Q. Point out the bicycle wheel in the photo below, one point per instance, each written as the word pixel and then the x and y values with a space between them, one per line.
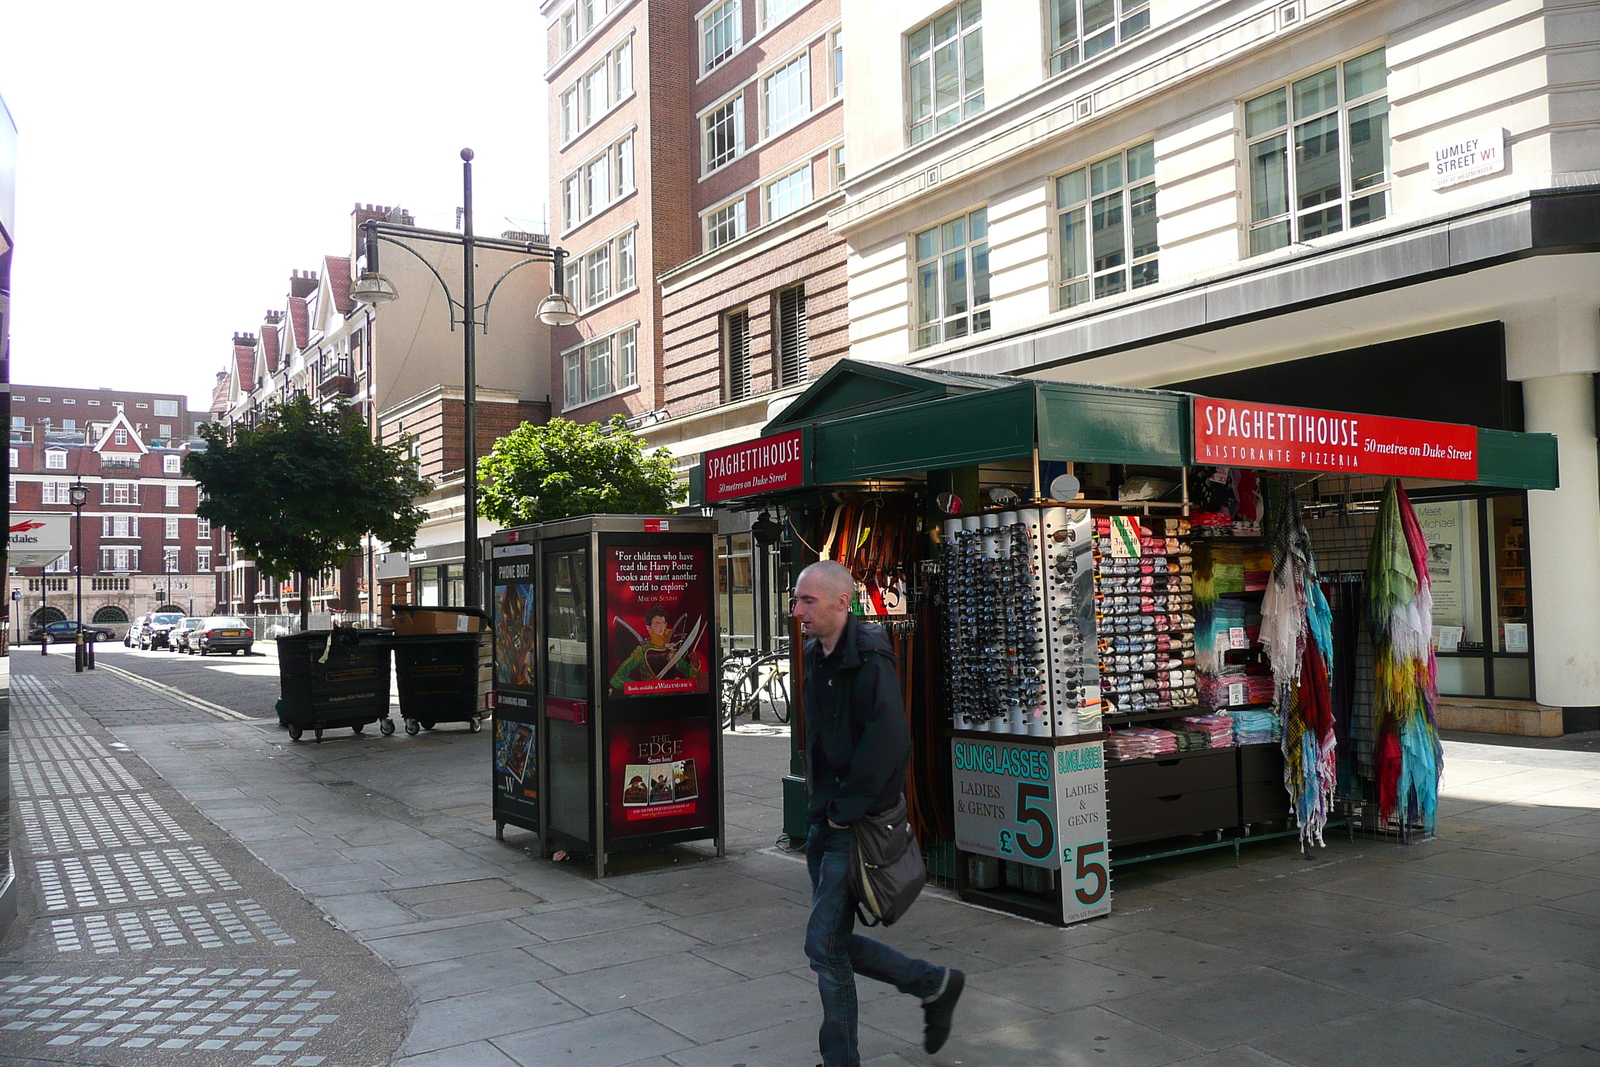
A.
pixel 777 693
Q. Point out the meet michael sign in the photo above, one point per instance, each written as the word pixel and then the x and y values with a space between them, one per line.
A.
pixel 1231 433
pixel 764 465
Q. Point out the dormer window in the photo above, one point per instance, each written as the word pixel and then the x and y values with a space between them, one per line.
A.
pixel 120 437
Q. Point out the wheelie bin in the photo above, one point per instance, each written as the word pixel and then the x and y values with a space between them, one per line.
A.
pixel 334 678
pixel 441 678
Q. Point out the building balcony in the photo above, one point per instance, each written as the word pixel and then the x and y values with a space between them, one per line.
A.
pixel 333 385
pixel 22 435
pixel 119 463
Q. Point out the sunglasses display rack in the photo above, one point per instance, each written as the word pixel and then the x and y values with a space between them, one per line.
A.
pixel 1016 638
pixel 1144 598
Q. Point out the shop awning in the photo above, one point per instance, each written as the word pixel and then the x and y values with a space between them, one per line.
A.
pixel 862 421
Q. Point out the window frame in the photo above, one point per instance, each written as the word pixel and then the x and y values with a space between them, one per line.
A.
pixel 733 376
pixel 740 219
pixel 769 193
pixel 974 310
pixel 970 102
pixel 1123 13
pixel 171 464
pixel 793 117
pixel 55 459
pixel 708 162
pixel 1292 217
pixel 703 31
pixel 1134 268
pixel 621 360
pixel 173 531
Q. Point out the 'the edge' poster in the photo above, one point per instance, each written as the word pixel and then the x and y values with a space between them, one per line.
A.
pixel 659 776
pixel 658 619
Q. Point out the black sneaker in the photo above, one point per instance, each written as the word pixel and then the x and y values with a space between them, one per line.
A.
pixel 937 1013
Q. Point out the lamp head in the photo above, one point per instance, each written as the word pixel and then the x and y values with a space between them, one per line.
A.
pixel 557 309
pixel 373 288
pixel 79 495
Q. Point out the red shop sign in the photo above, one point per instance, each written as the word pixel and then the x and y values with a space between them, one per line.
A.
pixel 1231 433
pixel 760 466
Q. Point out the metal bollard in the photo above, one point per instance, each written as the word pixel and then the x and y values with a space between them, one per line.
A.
pixel 77 654
pixel 44 645
pixel 88 655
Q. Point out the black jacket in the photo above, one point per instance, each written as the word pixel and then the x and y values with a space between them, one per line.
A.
pixel 857 742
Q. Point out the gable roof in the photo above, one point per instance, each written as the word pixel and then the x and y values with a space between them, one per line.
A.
pixel 108 436
pixel 336 276
pixel 244 365
pixel 300 319
pixel 270 337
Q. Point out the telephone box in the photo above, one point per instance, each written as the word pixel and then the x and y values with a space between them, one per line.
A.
pixel 606 734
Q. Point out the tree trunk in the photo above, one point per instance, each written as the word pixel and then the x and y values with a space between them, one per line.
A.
pixel 305 600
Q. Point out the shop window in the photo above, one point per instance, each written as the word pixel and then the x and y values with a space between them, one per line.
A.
pixel 1083 29
pixel 794 346
pixel 722 134
pixel 721 33
pixel 953 279
pixel 1337 176
pixel 1106 227
pixel 736 349
pixel 737 591
pixel 1478 567
pixel 945 61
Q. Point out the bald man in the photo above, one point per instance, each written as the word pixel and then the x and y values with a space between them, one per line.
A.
pixel 857 750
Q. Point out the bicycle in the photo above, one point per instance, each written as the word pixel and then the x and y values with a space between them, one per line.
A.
pixel 763 683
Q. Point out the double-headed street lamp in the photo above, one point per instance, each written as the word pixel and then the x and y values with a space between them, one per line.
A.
pixel 79 496
pixel 557 309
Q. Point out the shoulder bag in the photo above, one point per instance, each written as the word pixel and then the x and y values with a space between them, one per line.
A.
pixel 886 868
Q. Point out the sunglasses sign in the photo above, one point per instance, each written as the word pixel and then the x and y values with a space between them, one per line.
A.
pixel 764 465
pixel 1230 433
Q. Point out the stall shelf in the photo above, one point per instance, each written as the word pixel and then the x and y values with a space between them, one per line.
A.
pixel 983 451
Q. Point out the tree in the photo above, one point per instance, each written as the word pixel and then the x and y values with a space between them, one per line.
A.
pixel 565 468
pixel 300 490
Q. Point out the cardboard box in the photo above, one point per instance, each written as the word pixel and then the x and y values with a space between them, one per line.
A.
pixel 413 620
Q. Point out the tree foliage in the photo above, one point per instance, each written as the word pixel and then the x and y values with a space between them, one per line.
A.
pixel 565 468
pixel 299 491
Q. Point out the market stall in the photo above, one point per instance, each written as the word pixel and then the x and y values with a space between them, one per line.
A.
pixel 1114 634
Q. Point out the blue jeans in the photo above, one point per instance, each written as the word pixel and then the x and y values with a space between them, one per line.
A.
pixel 838 954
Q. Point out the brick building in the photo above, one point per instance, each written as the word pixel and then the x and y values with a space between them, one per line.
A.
pixel 143 545
pixel 695 153
pixel 400 366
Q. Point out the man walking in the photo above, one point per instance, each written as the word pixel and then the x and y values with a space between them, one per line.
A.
pixel 857 752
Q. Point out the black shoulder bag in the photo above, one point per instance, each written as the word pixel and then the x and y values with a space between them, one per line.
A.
pixel 886 869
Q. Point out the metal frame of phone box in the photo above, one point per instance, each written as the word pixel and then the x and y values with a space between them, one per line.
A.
pixel 577 808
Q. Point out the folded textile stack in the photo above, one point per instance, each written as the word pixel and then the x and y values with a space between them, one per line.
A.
pixel 1254 727
pixel 1231 624
pixel 1217 729
pixel 1234 690
pixel 1139 742
pixel 1257 567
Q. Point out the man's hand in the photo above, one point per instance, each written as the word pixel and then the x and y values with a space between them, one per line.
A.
pixel 837 826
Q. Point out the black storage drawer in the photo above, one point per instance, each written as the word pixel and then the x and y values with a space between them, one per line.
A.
pixel 1213 769
pixel 1137 817
pixel 1263 801
pixel 1260 763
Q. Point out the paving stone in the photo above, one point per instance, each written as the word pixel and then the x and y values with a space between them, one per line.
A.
pixel 609 1040
pixel 1413 1032
pixel 488 1014
pixel 1239 1007
pixel 631 984
pixel 1555 1000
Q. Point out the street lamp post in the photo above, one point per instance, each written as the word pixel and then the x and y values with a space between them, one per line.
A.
pixel 79 496
pixel 557 309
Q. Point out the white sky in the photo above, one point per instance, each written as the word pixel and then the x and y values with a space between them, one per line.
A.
pixel 178 160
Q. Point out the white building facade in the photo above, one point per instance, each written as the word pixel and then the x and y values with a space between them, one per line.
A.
pixel 1368 205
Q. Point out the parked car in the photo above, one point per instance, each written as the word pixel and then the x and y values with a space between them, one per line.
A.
pixel 222 633
pixel 135 632
pixel 66 630
pixel 181 633
pixel 157 633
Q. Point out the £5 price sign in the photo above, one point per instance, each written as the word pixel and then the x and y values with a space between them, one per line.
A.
pixel 1040 805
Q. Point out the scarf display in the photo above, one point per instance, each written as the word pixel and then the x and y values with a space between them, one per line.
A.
pixel 1297 633
pixel 1408 758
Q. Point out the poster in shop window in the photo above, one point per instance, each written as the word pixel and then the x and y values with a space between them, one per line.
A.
pixel 657 620
pixel 660 776
pixel 1441 525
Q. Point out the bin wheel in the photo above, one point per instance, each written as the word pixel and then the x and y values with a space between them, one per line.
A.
pixel 475 725
pixel 357 728
pixel 295 733
pixel 319 736
pixel 386 727
pixel 427 726
pixel 412 727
